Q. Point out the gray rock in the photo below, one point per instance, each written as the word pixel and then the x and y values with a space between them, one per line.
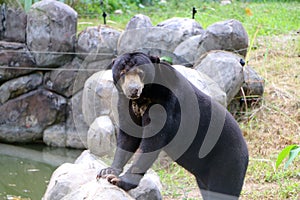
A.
pixel 149 38
pixel 225 69
pixel 254 84
pixel 97 96
pixel 229 35
pixel 51 27
pixel 176 60
pixel 77 181
pixel 98 43
pixel 13 24
pixel 28 115
pixel 149 188
pixel 189 27
pixel 19 86
pixel 139 21
pixel 87 158
pixel 250 96
pixel 2 19
pixel 65 179
pixel 62 79
pixel 101 138
pixel 76 128
pixel 204 83
pixel 14 56
pixel 188 48
pixel 55 135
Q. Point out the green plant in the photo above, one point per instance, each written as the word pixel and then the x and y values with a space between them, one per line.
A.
pixel 291 151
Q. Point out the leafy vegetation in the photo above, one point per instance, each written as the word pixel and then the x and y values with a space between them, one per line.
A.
pixel 291 152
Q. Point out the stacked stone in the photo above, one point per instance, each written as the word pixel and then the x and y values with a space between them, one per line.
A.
pixel 43 68
pixel 45 64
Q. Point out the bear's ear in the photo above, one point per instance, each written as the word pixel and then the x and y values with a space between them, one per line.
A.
pixel 154 59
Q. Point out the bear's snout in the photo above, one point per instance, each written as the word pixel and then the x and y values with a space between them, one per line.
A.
pixel 132 86
pixel 134 91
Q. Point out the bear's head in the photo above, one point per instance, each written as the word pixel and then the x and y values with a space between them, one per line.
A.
pixel 131 71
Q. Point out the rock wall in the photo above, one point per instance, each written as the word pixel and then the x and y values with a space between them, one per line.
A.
pixel 44 65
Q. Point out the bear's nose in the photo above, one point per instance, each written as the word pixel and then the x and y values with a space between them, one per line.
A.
pixel 134 91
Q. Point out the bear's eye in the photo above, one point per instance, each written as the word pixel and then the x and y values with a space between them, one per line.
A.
pixel 141 74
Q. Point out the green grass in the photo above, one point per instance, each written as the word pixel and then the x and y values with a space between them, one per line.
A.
pixel 270 18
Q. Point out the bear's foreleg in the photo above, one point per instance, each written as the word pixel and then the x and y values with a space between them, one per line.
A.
pixel 126 146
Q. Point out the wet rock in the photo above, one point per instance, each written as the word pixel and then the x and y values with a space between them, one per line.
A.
pixel 51 32
pixel 188 49
pixel 28 115
pixel 225 69
pixel 101 139
pixel 76 128
pixel 77 181
pixel 229 35
pixel 15 60
pixel 98 43
pixel 189 27
pixel 12 24
pixel 139 21
pixel 19 86
pixel 149 38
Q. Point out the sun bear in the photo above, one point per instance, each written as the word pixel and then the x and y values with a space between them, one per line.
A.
pixel 159 109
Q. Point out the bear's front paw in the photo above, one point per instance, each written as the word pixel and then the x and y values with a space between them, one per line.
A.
pixel 127 181
pixel 108 171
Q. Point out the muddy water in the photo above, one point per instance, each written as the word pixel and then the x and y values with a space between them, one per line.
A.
pixel 26 170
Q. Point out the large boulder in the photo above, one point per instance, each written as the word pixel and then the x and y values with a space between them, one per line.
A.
pixel 28 115
pixel 19 86
pixel 139 21
pixel 204 83
pixel 55 135
pixel 15 60
pixel 171 57
pixel 150 38
pixel 254 84
pixel 51 27
pixel 229 35
pixel 250 95
pixel 62 80
pixel 76 128
pixel 189 27
pixel 101 138
pixel 188 49
pixel 224 68
pixel 78 181
pixel 97 43
pixel 98 92
pixel 13 24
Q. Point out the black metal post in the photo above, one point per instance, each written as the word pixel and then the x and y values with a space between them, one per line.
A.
pixel 104 15
pixel 194 12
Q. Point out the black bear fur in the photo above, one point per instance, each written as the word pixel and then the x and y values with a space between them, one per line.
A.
pixel 219 173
